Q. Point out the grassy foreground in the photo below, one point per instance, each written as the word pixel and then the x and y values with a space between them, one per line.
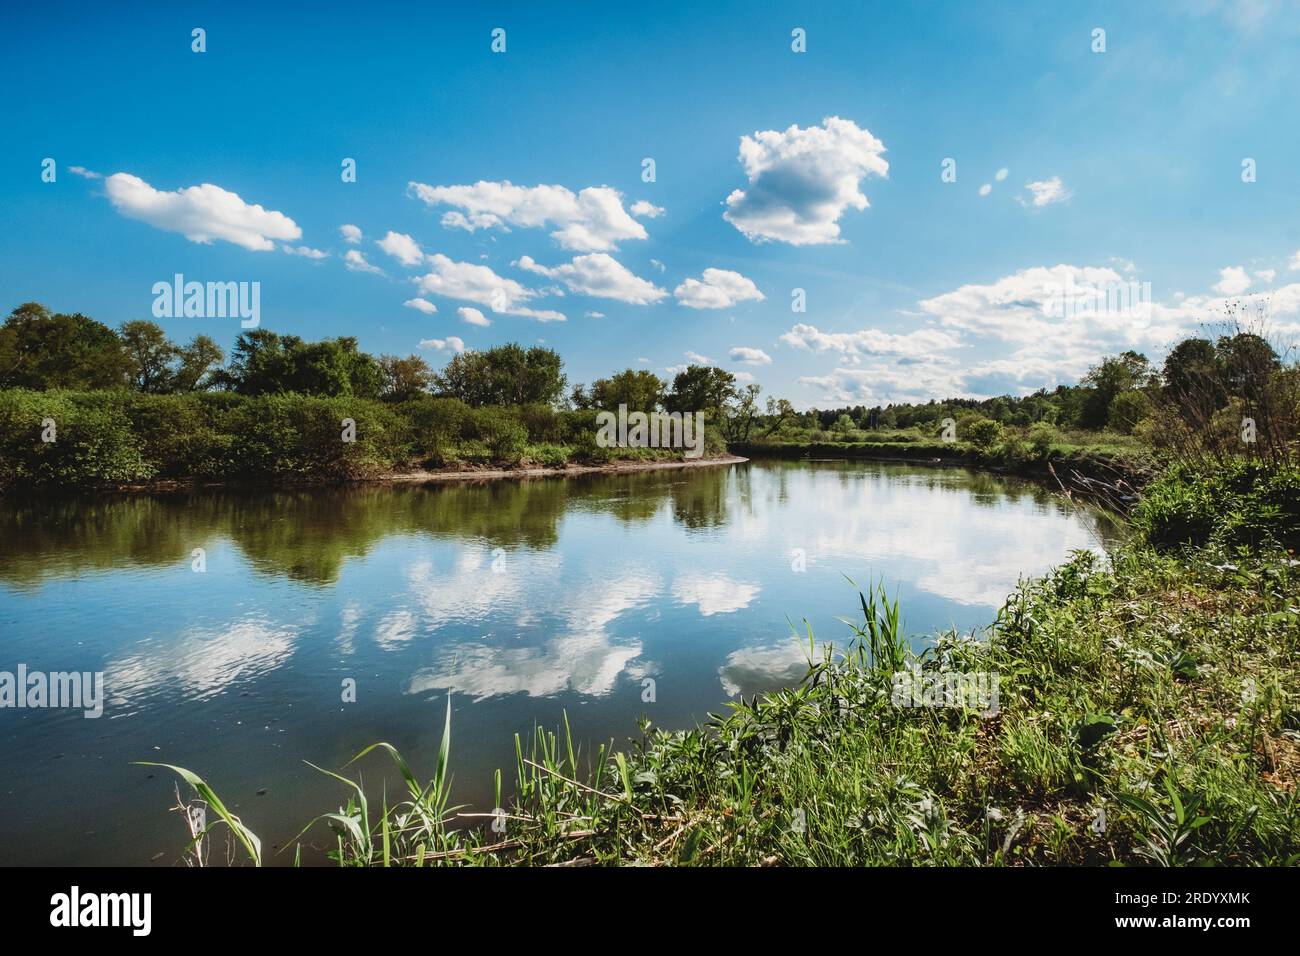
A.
pixel 1149 712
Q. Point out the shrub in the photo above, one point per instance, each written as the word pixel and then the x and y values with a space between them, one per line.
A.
pixel 93 440
pixel 436 426
pixel 1240 502
pixel 1041 438
pixel 501 431
pixel 983 433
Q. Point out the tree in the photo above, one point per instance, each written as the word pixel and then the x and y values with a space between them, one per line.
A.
pixel 199 362
pixel 1246 362
pixel 403 378
pixel 701 388
pixel 41 350
pixel 740 412
pixel 779 410
pixel 505 375
pixel 150 355
pixel 264 363
pixel 638 389
pixel 1121 373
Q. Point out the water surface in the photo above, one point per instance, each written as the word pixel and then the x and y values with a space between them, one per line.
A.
pixel 523 600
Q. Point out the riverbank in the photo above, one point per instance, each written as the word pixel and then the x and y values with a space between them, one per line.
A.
pixel 1088 471
pixel 1142 708
pixel 111 440
pixel 1140 713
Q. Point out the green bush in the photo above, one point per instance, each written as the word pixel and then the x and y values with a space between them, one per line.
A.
pixel 983 433
pixel 93 445
pixel 1240 502
pixel 437 425
pixel 501 431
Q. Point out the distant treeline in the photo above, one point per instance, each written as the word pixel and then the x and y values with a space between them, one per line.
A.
pixel 1199 376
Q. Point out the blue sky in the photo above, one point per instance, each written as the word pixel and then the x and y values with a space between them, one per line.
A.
pixel 929 288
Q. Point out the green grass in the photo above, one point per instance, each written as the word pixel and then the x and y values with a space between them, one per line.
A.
pixel 1149 711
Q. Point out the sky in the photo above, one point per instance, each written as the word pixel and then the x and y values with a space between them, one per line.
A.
pixel 850 202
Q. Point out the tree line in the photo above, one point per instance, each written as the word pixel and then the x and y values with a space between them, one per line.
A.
pixel 43 350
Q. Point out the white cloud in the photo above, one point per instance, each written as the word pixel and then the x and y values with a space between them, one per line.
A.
pixel 200 213
pixel 423 305
pixel 85 173
pixel 1002 174
pixel 599 274
pixel 594 315
pixel 870 341
pixel 350 234
pixel 743 376
pixel 472 316
pixel 714 593
pixel 1047 191
pixel 646 209
pixel 306 252
pixel 1266 275
pixel 717 289
pixel 356 262
pixel 802 180
pixel 663 268
pixel 451 343
pixel 592 220
pixel 985 189
pixel 470 282
pixel 750 356
pixel 402 248
pixel 698 359
pixel 1295 261
pixel 1232 281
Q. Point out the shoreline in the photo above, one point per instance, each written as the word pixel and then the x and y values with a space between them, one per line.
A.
pixel 493 474
pixel 422 476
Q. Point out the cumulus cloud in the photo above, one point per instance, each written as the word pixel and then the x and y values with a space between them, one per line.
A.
pixel 350 234
pixel 1266 275
pixel 422 305
pixel 801 181
pixel 85 173
pixel 471 316
pixel 475 283
pixel 646 209
pixel 1232 281
pixel 305 252
pixel 451 343
pixel 698 359
pixel 714 593
pixel 592 220
pixel 592 314
pixel 870 341
pixel 402 248
pixel 200 213
pixel 717 289
pixel 1046 192
pixel 985 189
pixel 356 262
pixel 598 274
pixel 749 356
